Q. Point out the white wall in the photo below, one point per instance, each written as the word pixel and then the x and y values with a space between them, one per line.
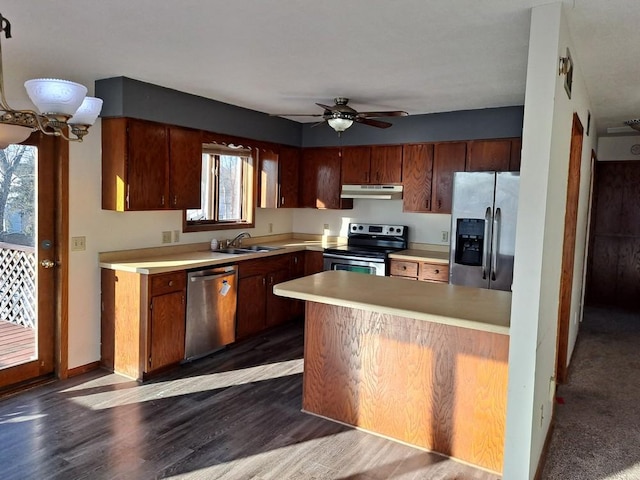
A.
pixel 617 148
pixel 423 227
pixel 538 258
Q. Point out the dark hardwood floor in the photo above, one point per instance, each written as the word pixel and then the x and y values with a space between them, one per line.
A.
pixel 234 415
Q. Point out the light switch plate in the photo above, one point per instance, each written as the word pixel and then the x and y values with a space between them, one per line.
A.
pixel 78 244
pixel 166 237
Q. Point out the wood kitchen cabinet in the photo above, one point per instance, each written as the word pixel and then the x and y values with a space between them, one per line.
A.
pixel 258 307
pixel 279 178
pixel 320 179
pixel 423 271
pixel 143 321
pixel 149 166
pixel 417 168
pixel 448 158
pixel 378 164
pixel 488 155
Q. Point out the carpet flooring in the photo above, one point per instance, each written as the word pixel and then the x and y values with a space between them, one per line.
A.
pixel 597 420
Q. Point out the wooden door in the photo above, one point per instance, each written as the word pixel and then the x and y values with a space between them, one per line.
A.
pixel 386 164
pixel 147 166
pixel 356 165
pixel 417 169
pixel 489 155
pixel 447 159
pixel 279 309
pixel 251 306
pixel 269 181
pixel 33 259
pixel 166 330
pixel 569 249
pixel 289 170
pixel 185 148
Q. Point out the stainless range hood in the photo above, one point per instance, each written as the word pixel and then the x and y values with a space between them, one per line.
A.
pixel 374 192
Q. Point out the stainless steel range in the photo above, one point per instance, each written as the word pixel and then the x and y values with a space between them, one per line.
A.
pixel 368 248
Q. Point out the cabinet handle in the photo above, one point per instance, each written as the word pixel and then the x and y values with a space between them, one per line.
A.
pixel 127 195
pixel 281 200
pixel 171 283
pixel 439 204
pixel 437 271
pixel 428 204
pixel 162 200
pixel 264 281
pixel 175 200
pixel 295 260
pixel 404 267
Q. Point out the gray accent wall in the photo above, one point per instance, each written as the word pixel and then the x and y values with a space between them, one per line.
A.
pixel 126 97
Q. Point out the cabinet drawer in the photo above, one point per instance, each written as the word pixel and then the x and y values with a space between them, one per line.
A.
pixel 434 272
pixel 168 282
pixel 401 268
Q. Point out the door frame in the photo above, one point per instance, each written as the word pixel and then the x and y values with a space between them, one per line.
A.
pixel 56 151
pixel 569 249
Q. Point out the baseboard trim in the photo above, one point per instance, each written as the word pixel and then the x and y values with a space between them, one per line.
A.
pixel 74 372
pixel 545 449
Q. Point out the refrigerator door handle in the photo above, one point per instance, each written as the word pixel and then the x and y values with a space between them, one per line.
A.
pixel 485 243
pixel 494 243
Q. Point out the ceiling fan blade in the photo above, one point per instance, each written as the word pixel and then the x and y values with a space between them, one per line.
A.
pixel 318 123
pixel 373 123
pixel 395 113
pixel 326 107
pixel 296 114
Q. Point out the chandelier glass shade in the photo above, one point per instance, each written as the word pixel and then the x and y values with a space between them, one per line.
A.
pixel 339 123
pixel 63 109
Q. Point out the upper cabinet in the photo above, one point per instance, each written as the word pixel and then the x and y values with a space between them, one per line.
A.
pixel 149 166
pixel 320 182
pixel 417 166
pixel 378 164
pixel 279 178
pixel 489 155
pixel 448 158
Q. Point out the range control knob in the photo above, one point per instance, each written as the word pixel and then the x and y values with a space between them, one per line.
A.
pixel 360 227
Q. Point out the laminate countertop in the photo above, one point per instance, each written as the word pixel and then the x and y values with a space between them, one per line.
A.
pixel 417 255
pixel 202 258
pixel 467 307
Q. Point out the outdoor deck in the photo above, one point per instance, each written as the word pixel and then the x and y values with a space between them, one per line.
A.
pixel 17 344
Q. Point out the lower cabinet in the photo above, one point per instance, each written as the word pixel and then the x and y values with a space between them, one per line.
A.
pixel 143 321
pixel 258 307
pixel 424 271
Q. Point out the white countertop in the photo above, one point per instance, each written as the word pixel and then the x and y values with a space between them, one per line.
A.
pixel 467 307
pixel 417 255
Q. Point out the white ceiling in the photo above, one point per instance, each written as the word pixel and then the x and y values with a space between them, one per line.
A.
pixel 280 56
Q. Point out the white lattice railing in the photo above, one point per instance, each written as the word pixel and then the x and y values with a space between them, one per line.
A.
pixel 18 284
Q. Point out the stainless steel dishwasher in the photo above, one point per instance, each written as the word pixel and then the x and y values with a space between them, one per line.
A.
pixel 211 310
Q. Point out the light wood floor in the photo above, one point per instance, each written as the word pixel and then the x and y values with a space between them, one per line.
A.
pixel 234 415
pixel 17 344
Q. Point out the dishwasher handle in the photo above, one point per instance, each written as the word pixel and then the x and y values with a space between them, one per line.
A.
pixel 212 277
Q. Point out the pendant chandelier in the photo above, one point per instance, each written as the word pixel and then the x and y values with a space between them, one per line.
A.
pixel 63 109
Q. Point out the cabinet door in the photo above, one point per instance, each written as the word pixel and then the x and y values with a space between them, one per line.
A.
pixel 447 159
pixel 166 330
pixel 185 153
pixel 147 166
pixel 269 181
pixel 489 155
pixel 313 262
pixel 417 168
pixel 278 308
pixel 355 165
pixel 516 152
pixel 289 169
pixel 386 164
pixel 251 306
pixel 320 180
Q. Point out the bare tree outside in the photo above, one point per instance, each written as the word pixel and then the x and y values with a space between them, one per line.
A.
pixel 17 194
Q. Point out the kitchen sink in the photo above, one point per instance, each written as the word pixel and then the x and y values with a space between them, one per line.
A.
pixel 250 249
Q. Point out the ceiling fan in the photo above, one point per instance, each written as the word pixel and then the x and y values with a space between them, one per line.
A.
pixel 635 123
pixel 341 116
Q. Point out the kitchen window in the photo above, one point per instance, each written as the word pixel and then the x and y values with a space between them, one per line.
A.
pixel 226 191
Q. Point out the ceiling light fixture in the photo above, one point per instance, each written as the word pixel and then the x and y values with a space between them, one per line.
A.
pixel 635 123
pixel 60 104
pixel 339 122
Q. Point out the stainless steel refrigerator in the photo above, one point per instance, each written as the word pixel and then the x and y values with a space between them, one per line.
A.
pixel 483 229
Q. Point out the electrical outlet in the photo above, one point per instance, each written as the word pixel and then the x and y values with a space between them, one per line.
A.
pixel 326 226
pixel 176 236
pixel 78 244
pixel 444 236
pixel 166 237
pixel 271 228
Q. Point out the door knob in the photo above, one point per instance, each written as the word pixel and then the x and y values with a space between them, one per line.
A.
pixel 46 263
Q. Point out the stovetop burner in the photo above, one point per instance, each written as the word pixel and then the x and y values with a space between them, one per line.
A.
pixel 373 240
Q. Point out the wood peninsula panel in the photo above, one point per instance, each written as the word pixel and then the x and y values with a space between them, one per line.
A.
pixel 435 386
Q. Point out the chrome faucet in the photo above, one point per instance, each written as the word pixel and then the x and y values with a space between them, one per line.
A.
pixel 238 240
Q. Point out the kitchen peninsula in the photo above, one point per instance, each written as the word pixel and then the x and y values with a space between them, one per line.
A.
pixel 422 363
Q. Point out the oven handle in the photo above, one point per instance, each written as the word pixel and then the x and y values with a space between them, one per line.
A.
pixel 349 257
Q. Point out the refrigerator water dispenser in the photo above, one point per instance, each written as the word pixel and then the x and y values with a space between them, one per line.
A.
pixel 469 241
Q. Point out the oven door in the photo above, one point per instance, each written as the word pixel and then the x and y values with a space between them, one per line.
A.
pixel 354 264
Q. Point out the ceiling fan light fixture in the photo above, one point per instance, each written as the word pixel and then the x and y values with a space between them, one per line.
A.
pixel 635 123
pixel 339 123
